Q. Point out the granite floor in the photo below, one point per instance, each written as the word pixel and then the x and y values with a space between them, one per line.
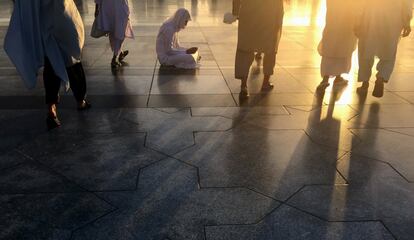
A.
pixel 169 154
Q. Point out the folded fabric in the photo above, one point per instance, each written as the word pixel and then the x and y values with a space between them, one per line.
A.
pixel 229 18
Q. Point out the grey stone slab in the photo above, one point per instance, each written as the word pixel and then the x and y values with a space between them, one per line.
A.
pixel 276 163
pixel 33 178
pixel 327 125
pixel 191 100
pixel 169 70
pixel 409 96
pixel 189 84
pixel 289 223
pixel 11 159
pixel 19 227
pixel 391 147
pixel 239 113
pixel 172 132
pixel 385 116
pixel 48 216
pixel 169 204
pixel 120 74
pixel 95 121
pixel 99 162
pixel 125 85
pixel 277 99
pixel 389 98
pixel 18 127
pixel 401 81
pixel 406 131
pixel 282 80
pixel 375 192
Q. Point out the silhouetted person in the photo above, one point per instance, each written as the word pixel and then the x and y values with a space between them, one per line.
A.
pixel 338 40
pixel 112 16
pixel 260 29
pixel 48 33
pixel 381 26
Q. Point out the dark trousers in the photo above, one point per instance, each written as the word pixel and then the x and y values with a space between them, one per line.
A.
pixel 245 59
pixel 52 82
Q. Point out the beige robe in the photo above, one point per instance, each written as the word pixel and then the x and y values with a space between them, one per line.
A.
pixel 260 24
pixel 381 25
pixel 339 40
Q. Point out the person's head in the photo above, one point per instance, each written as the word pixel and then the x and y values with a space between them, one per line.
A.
pixel 181 18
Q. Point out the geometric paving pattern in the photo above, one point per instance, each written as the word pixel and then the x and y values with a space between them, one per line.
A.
pixel 169 154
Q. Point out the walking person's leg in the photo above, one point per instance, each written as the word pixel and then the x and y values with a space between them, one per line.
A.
pixel 242 66
pixel 269 62
pixel 385 69
pixel 116 46
pixel 51 83
pixel 364 73
pixel 77 81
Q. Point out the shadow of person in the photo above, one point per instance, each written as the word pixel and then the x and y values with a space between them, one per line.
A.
pixel 356 170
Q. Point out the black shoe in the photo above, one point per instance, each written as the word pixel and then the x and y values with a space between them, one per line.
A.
pixel 378 89
pixel 267 87
pixel 85 106
pixel 363 90
pixel 122 55
pixel 52 122
pixel 244 94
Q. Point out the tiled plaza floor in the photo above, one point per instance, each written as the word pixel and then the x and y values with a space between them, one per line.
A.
pixel 173 155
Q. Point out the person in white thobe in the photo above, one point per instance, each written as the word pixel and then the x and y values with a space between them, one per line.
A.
pixel 48 33
pixel 338 40
pixel 169 50
pixel 382 24
pixel 112 16
pixel 259 30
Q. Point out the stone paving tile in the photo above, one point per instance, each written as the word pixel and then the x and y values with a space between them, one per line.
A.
pixel 290 223
pixel 385 116
pixel 375 192
pixel 95 121
pixel 33 178
pixel 48 216
pixel 170 140
pixel 391 147
pixel 409 96
pixel 406 131
pixel 278 99
pixel 11 159
pixel 277 163
pixel 239 113
pixel 169 204
pixel 191 100
pixel 326 125
pixel 98 162
pixel 282 80
pixel 19 127
pixel 187 84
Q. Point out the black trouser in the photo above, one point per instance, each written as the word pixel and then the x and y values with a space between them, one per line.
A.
pixel 51 82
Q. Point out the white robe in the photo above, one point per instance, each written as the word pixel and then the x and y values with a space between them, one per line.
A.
pixel 381 26
pixel 44 28
pixel 169 51
pixel 338 39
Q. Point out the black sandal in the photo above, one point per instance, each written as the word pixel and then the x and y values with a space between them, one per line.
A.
pixel 122 55
pixel 85 106
pixel 52 122
pixel 378 89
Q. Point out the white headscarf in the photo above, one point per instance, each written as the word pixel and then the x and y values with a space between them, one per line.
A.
pixel 179 19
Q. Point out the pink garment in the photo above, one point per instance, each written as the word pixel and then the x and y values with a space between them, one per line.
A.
pixel 113 17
